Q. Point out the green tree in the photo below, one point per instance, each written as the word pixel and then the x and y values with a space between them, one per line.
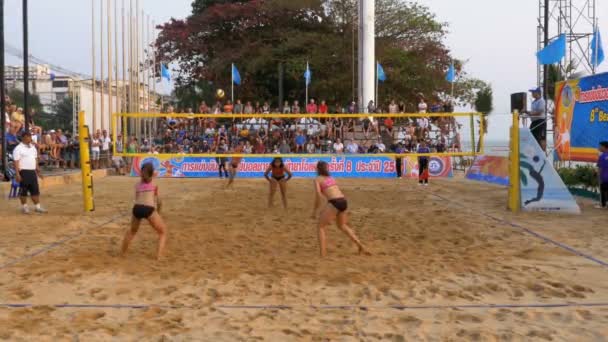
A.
pixel 16 96
pixel 261 35
pixel 484 105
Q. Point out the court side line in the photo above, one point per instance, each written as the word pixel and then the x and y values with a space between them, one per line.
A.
pixel 57 243
pixel 313 307
pixel 533 233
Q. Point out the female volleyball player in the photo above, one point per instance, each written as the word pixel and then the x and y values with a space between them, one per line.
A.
pixel 147 206
pixel 234 164
pixel 326 186
pixel 277 174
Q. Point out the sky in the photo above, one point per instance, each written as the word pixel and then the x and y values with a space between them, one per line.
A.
pixel 498 38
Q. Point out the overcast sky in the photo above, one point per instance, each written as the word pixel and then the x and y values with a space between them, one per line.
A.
pixel 497 37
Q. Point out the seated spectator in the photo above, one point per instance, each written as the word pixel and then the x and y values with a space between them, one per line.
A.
pixel 238 107
pixel 380 146
pixel 17 120
pixel 311 147
pixel 388 125
pixel 284 148
pixel 295 109
pixel 266 108
pixel 248 109
pixel 260 147
pixel 248 148
pixel 352 147
pixel 228 107
pixel 338 147
pixel 393 108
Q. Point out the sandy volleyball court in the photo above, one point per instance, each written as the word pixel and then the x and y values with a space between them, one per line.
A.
pixel 449 263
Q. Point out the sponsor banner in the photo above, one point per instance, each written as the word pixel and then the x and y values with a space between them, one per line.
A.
pixel 254 167
pixel 581 117
pixel 438 167
pixel 490 169
pixel 542 189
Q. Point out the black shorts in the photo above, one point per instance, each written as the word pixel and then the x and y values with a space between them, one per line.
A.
pixel 339 203
pixel 539 129
pixel 234 166
pixel 141 212
pixel 278 178
pixel 29 183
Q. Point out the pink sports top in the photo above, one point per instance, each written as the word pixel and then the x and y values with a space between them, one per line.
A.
pixel 146 187
pixel 328 183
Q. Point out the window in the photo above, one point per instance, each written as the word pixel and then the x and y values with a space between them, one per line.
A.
pixel 60 84
pixel 60 96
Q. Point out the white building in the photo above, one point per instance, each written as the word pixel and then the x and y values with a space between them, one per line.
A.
pixel 50 88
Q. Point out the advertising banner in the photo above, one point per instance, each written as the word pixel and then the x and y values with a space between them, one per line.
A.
pixel 438 167
pixel 253 167
pixel 581 117
pixel 542 189
pixel 490 169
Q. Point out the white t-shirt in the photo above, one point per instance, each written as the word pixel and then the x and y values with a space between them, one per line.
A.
pixel 26 156
pixel 422 107
pixel 338 147
pixel 105 143
pixel 93 143
pixel 423 122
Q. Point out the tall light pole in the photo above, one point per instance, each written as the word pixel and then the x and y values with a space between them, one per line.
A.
pixel 2 90
pixel 26 71
pixel 94 66
pixel 367 52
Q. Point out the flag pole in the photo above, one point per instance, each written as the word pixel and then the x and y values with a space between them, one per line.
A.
pixel 102 62
pixel 306 80
pixel 116 62
pixel 594 63
pixel 232 83
pixel 93 63
pixel 377 85
pixel 453 80
pixel 109 33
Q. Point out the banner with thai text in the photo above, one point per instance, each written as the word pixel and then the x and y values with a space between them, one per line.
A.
pixel 581 117
pixel 254 167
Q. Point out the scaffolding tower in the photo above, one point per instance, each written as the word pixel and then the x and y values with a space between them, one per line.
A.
pixel 576 19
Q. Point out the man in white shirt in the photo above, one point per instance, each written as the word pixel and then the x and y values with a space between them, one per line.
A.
pixel 25 156
pixel 352 147
pixel 105 149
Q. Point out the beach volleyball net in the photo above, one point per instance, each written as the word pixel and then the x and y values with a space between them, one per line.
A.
pixel 297 135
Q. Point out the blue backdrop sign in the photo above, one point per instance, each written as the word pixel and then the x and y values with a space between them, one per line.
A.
pixel 254 167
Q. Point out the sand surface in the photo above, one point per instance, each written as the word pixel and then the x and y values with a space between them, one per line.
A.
pixel 447 252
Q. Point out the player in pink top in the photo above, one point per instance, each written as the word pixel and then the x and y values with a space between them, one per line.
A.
pixel 147 206
pixel 326 186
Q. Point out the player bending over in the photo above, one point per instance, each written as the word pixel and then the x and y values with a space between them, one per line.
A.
pixel 147 207
pixel 277 175
pixel 326 186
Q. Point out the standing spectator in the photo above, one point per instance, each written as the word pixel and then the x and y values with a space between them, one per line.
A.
pixel 338 146
pixel 95 150
pixel 27 171
pixel 602 163
pixel 300 141
pixel 311 107
pixel 203 108
pixel 238 107
pixel 422 106
pixel 393 108
pixel 248 108
pixel 62 141
pixel 286 108
pixel 257 109
pixel 323 109
pixel 352 109
pixel 266 108
pixel 538 127
pixel 105 156
pixel 295 109
pixel 371 107
pixel 228 108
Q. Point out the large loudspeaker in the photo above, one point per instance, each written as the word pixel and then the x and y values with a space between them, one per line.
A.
pixel 519 102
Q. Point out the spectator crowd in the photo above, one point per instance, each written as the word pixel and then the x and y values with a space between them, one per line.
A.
pixel 60 149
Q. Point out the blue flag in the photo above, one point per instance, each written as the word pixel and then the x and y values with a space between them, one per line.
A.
pixel 307 74
pixel 164 73
pixel 554 52
pixel 451 74
pixel 236 77
pixel 597 56
pixel 381 74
